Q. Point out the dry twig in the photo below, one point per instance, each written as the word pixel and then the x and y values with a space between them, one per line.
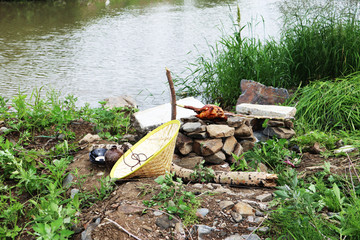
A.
pixel 118 225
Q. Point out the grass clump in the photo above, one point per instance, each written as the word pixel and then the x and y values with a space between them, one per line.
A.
pixel 330 105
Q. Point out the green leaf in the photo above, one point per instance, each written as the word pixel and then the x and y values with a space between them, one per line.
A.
pixel 281 194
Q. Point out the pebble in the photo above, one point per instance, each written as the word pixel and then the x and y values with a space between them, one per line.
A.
pixel 266 197
pixel 68 179
pixel 3 130
pixel 202 212
pixel 226 204
pixel 73 192
pixel 345 149
pixel 157 213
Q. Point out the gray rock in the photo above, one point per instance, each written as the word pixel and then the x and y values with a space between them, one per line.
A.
pixel 229 145
pixel 204 230
pixel 243 131
pixel 247 145
pixel 244 209
pixel 263 229
pixel 184 144
pixel 345 149
pixel 202 212
pixel 191 127
pixel 226 205
pixel 207 147
pixel 3 130
pixel 259 213
pixel 266 111
pixel 250 219
pixel 238 150
pixel 189 161
pixel 73 192
pixel 68 180
pixel 217 158
pixel 236 216
pixel 86 234
pixel 164 222
pixel 235 121
pixel 251 237
pixel 120 101
pixel 266 197
pixel 200 135
pixel 89 138
pixel 279 132
pixel 260 137
pixel 219 131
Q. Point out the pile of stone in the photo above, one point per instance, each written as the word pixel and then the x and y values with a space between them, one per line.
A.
pixel 213 142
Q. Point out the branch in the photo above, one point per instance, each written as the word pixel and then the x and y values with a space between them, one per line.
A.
pixel 173 96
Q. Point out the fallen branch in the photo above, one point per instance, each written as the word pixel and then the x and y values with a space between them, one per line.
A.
pixel 118 225
pixel 234 178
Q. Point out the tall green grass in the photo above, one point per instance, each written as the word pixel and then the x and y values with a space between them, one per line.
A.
pixel 311 47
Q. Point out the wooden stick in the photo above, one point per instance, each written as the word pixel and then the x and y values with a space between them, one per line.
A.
pixel 118 225
pixel 172 92
pixel 235 178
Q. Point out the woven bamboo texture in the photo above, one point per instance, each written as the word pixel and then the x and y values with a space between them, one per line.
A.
pixel 151 156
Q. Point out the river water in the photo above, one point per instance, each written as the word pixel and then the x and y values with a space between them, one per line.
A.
pixel 104 49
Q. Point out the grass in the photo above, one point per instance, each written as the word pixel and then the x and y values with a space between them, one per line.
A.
pixel 37 174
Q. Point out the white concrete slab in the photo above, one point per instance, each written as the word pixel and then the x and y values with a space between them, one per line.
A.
pixel 266 110
pixel 154 117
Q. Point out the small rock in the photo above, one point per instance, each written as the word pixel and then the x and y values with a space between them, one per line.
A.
pixel 229 145
pixel 204 230
pixel 191 127
pixel 201 135
pixel 247 145
pixel 73 192
pixel 261 206
pixel 259 213
pixel 243 131
pixel 164 222
pixel 86 234
pixel 226 205
pixel 189 161
pixel 250 219
pixel 207 147
pixel 157 213
pixel 234 237
pixel 258 219
pixel 346 149
pixel 120 101
pixel 68 180
pixel 3 130
pixel 279 132
pixel 238 150
pixel 251 237
pixel 263 229
pixel 316 148
pixel 217 158
pixel 236 216
pixel 243 209
pixel 219 131
pixel 89 138
pixel 235 121
pixel 266 197
pixel 202 212
pixel 129 209
pixel 222 190
pixel 184 144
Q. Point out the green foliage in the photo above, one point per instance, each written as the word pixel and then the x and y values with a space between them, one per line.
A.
pixel 174 199
pixel 202 174
pixel 10 211
pixel 273 153
pixel 330 105
pixel 305 203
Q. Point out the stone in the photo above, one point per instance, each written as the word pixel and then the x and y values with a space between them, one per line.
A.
pixel 266 197
pixel 261 206
pixel 184 144
pixel 190 119
pixel 189 161
pixel 262 167
pixel 207 147
pixel 275 123
pixel 346 149
pixel 279 132
pixel 243 131
pixel 225 205
pixel 235 121
pixel 73 192
pixel 120 101
pixel 200 135
pixel 164 222
pixel 236 216
pixel 151 118
pixel 247 145
pixel 86 234
pixel 316 148
pixel 266 111
pixel 243 237
pixel 254 92
pixel 203 230
pixel 129 209
pixel 216 158
pixel 244 209
pixel 219 131
pixel 260 137
pixel 229 145
pixel 89 138
pixel 68 180
pixel 202 212
pixel 238 150
pixel 3 130
pixel 191 127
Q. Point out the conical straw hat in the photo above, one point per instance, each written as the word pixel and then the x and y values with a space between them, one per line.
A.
pixel 151 156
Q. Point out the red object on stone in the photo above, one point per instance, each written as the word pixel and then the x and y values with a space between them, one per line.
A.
pixel 209 112
pixel 257 93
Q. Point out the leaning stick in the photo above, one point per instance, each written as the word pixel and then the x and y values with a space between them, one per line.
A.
pixel 119 226
pixel 234 178
pixel 172 92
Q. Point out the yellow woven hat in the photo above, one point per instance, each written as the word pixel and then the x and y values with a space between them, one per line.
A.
pixel 151 156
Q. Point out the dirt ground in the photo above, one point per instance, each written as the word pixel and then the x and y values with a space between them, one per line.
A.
pixel 124 206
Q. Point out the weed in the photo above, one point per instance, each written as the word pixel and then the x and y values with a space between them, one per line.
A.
pixel 174 199
pixel 202 174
